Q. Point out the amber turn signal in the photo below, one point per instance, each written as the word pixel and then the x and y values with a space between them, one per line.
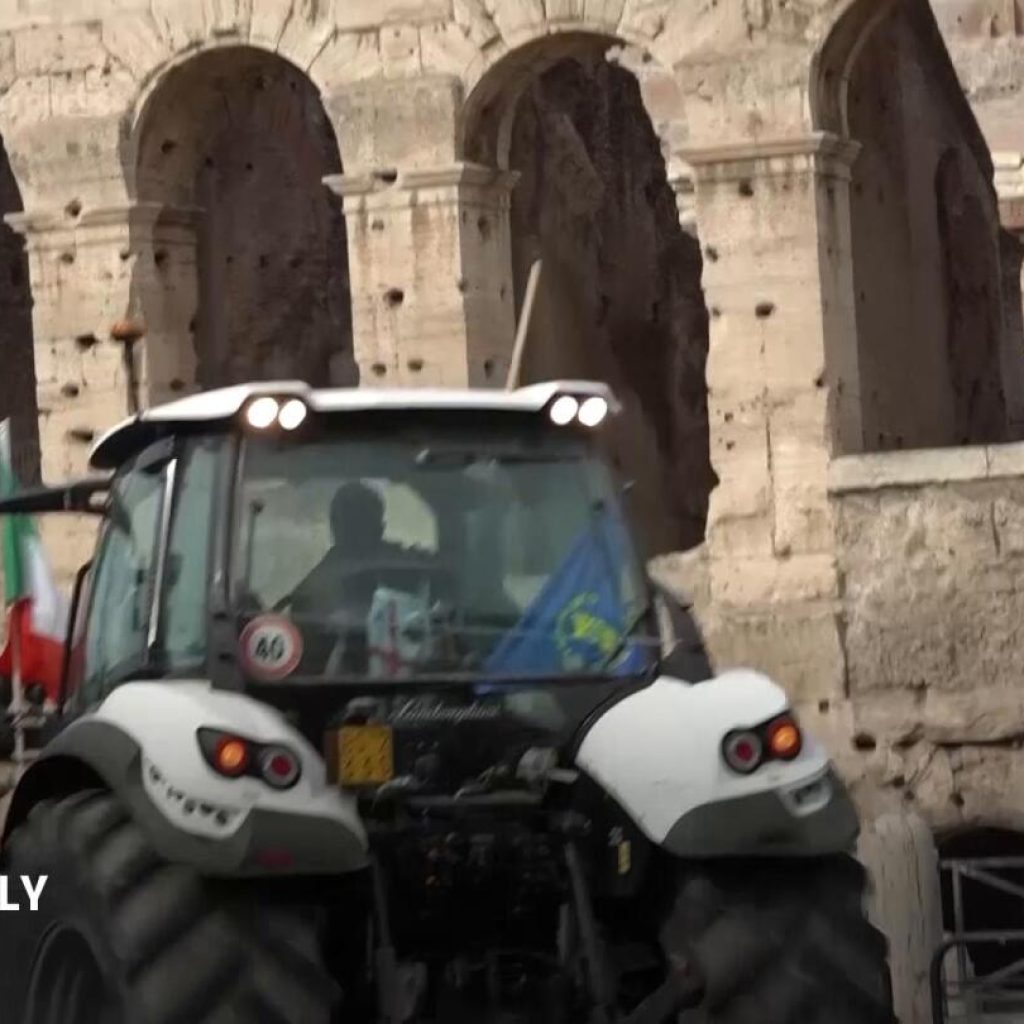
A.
pixel 784 739
pixel 231 756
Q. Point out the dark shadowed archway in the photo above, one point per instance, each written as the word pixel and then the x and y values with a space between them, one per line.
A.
pixel 18 399
pixel 242 136
pixel 924 235
pixel 621 297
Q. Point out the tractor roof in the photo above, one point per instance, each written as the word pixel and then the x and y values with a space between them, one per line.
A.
pixel 223 404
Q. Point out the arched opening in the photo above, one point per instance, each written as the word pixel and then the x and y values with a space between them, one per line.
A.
pixel 982 879
pixel 241 136
pixel 925 245
pixel 971 283
pixel 18 399
pixel 621 296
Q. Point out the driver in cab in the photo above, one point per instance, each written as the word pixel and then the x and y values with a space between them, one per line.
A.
pixel 336 582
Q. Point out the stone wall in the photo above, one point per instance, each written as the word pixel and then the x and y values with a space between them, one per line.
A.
pixel 932 562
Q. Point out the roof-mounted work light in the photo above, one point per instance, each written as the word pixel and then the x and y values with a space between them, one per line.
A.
pixel 292 414
pixel 589 411
pixel 265 412
pixel 262 412
pixel 564 410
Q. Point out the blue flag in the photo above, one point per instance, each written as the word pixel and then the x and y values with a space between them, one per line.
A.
pixel 577 622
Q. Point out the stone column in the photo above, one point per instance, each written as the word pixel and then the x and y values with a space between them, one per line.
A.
pixel 783 394
pixel 95 273
pixel 431 275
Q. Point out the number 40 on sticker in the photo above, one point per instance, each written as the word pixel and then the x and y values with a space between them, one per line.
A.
pixel 270 647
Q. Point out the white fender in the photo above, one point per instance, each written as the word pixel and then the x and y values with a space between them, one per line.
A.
pixel 163 717
pixel 658 754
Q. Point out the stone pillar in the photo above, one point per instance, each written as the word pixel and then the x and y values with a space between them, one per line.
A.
pixel 431 275
pixel 906 905
pixel 90 272
pixel 783 392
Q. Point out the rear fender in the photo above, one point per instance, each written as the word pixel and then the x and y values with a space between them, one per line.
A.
pixel 141 744
pixel 658 754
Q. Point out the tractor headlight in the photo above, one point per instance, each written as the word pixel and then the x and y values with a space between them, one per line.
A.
pixel 593 411
pixel 267 411
pixel 587 410
pixel 564 410
pixel 261 413
pixel 292 414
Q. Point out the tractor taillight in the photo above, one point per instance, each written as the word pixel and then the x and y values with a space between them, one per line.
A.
pixel 236 757
pixel 784 739
pixel 743 751
pixel 279 767
pixel 231 756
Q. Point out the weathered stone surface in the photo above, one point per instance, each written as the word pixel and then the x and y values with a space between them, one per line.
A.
pixel 826 310
pixel 899 852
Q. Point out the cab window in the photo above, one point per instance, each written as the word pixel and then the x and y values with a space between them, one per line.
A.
pixel 121 588
pixel 186 581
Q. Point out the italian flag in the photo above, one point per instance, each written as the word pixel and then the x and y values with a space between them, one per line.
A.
pixel 37 611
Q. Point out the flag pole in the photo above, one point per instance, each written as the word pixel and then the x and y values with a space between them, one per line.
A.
pixel 17 709
pixel 18 698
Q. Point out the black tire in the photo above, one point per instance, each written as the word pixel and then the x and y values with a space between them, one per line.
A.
pixel 781 942
pixel 166 946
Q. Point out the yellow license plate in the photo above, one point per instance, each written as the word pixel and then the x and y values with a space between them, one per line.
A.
pixel 365 755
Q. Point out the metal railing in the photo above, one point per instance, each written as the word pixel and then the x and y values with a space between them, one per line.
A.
pixel 959 994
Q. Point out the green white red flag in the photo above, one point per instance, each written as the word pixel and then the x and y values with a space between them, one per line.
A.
pixel 37 610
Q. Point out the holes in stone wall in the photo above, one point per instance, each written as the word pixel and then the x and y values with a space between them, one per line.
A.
pixel 621 298
pixel 252 145
pixel 394 297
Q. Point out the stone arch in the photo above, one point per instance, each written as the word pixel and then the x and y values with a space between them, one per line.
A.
pixel 18 399
pixel 226 163
pixel 869 87
pixel 846 35
pixel 621 297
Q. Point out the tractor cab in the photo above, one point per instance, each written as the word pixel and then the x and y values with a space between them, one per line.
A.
pixel 321 548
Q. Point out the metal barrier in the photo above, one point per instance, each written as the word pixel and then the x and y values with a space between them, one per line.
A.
pixel 996 997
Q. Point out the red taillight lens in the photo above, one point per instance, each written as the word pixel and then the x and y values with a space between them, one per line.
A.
pixel 231 756
pixel 279 767
pixel 784 739
pixel 743 751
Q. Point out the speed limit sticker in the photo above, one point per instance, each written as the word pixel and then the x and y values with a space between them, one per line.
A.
pixel 270 647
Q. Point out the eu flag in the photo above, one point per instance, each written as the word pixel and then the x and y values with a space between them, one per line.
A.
pixel 577 622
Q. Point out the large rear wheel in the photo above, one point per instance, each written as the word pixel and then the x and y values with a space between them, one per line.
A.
pixel 123 937
pixel 781 942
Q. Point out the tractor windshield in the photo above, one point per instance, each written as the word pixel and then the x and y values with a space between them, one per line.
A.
pixel 422 552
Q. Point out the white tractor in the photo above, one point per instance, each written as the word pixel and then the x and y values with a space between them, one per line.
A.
pixel 372 714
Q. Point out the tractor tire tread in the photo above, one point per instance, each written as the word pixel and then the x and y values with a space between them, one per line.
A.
pixel 183 950
pixel 783 942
